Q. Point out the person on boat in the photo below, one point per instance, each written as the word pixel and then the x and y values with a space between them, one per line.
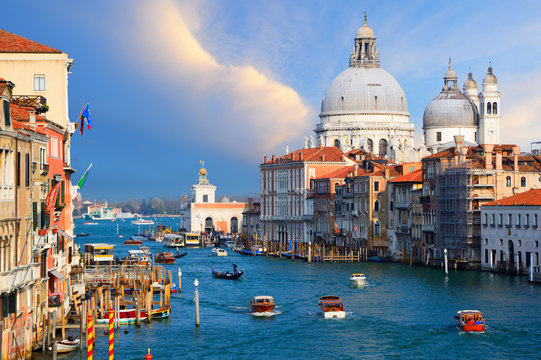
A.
pixel 470 322
pixel 235 270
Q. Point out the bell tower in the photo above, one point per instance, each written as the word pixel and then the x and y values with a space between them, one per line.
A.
pixel 489 110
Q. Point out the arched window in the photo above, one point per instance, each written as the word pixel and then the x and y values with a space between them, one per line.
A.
pixel 370 145
pixel 375 102
pixel 382 147
pixel 495 108
pixel 376 206
pixel 209 226
pixel 342 103
pixel 508 181
pixel 234 225
pixel 377 230
pixel 523 182
pixel 337 143
pixel 489 108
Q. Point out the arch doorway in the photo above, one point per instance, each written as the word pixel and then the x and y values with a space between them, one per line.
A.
pixel 234 225
pixel 209 226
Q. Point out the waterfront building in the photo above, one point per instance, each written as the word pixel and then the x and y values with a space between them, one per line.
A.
pixel 457 182
pixel 251 220
pixel 400 224
pixel 204 215
pixel 365 107
pixel 288 199
pixel 510 232
pixel 21 294
pixel 419 248
pixel 476 116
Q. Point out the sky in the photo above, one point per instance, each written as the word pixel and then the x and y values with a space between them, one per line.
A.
pixel 174 82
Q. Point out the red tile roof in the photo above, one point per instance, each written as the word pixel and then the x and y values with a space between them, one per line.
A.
pixel 341 173
pixel 12 43
pixel 415 176
pixel 325 154
pixel 528 198
pixel 21 114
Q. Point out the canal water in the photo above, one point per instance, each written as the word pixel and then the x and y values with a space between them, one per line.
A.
pixel 403 312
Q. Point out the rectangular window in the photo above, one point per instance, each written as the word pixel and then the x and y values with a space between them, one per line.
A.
pixel 27 170
pixel 39 82
pixel 535 220
pixel 486 219
pixel 18 173
pixel 527 220
pixel 493 219
pixel 518 219
pixel 7 116
pixel 376 186
pixel 486 256
pixel 205 198
pixel 501 220
pixel 438 136
pixel 509 219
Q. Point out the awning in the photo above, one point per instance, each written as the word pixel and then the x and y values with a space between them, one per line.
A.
pixel 57 274
pixel 69 237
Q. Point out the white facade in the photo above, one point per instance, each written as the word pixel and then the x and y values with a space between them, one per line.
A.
pixel 509 234
pixel 365 107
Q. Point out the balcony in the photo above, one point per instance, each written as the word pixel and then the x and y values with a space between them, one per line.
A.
pixel 14 279
pixel 38 102
pixel 403 205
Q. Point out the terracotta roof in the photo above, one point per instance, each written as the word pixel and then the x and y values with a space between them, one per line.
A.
pixel 528 198
pixel 12 43
pixel 473 151
pixel 341 173
pixel 326 154
pixel 21 114
pixel 415 176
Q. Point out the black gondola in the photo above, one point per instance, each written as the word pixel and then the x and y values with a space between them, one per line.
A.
pixel 178 255
pixel 82 234
pixel 227 275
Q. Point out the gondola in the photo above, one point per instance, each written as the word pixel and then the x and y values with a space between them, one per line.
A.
pixel 179 255
pixel 82 234
pixel 227 275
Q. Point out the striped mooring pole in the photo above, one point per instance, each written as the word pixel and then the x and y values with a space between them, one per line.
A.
pixel 111 336
pixel 90 336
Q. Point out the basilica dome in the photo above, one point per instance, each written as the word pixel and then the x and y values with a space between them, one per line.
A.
pixel 362 90
pixel 450 109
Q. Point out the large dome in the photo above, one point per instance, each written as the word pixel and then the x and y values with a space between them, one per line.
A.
pixel 450 109
pixel 362 90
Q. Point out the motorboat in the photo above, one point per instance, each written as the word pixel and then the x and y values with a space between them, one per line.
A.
pixel 90 223
pixel 67 345
pixel 164 258
pixel 219 252
pixel 161 313
pixel 332 307
pixel 227 275
pixel 262 303
pixel 470 321
pixel 173 240
pixel 142 222
pixel 126 316
pixel 82 234
pixel 358 279
pixel 133 241
pixel 137 257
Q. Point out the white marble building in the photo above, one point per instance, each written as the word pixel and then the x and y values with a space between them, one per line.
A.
pixel 365 107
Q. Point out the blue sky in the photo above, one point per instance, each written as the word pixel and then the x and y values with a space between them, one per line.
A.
pixel 174 82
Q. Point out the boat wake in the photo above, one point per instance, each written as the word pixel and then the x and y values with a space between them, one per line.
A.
pixel 266 313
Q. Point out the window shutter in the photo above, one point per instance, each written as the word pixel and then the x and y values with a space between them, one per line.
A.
pixel 7 116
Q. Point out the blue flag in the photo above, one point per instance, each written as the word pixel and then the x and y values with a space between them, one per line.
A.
pixel 85 115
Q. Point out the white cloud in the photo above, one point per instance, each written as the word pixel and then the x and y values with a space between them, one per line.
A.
pixel 245 110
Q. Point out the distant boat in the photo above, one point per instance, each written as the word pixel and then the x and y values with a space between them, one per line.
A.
pixel 358 279
pixel 133 241
pixel 262 303
pixel 90 223
pixel 470 321
pixel 142 222
pixel 375 259
pixel 164 258
pixel 332 307
pixel 227 275
pixel 82 234
pixel 219 252
pixel 179 255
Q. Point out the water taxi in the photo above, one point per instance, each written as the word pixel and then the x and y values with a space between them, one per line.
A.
pixel 164 258
pixel 134 240
pixel 332 307
pixel 99 254
pixel 262 303
pixel 137 257
pixel 219 252
pixel 470 321
pixel 358 279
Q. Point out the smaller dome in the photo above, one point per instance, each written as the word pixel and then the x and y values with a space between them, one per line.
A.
pixel 365 32
pixel 490 79
pixel 470 83
pixel 450 109
pixel 451 73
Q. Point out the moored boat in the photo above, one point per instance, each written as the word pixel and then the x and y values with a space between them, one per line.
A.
pixel 470 321
pixel 125 316
pixel 82 234
pixel 219 252
pixel 133 241
pixel 332 307
pixel 164 258
pixel 262 303
pixel 161 313
pixel 358 279
pixel 67 345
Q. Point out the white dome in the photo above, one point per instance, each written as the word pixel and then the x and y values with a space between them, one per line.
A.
pixel 450 109
pixel 354 91
pixel 365 32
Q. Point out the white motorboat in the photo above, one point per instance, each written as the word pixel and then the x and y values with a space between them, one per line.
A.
pixel 142 222
pixel 67 345
pixel 174 240
pixel 358 279
pixel 332 307
pixel 219 252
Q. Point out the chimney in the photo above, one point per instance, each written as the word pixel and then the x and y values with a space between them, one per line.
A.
pixel 459 141
pixel 387 172
pixel 499 161
pixel 322 157
pixel 32 117
pixel 464 154
pixel 300 156
pixel 273 158
pixel 356 169
pixel 488 156
pixel 265 159
pixel 516 151
pixel 250 203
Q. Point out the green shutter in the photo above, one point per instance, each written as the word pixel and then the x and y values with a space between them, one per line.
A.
pixel 7 116
pixel 42 225
pixel 35 215
pixel 62 190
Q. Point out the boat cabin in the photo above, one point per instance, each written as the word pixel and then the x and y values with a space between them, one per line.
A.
pixel 174 240
pixel 331 303
pixel 100 254
pixel 192 239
